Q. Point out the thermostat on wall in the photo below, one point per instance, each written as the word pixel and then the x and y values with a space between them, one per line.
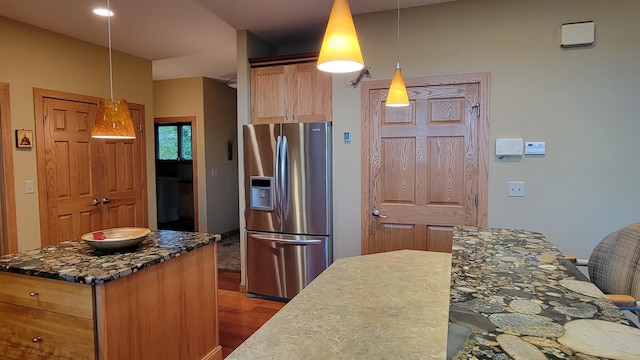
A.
pixel 534 148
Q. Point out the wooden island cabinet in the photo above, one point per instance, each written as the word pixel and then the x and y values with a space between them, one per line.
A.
pixel 296 92
pixel 158 301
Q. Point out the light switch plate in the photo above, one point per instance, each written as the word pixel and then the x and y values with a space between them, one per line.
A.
pixel 28 187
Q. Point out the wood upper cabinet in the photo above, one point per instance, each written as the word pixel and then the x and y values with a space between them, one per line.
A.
pixel 290 93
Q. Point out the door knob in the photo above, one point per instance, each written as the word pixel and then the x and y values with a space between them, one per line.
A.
pixel 377 213
pixel 106 200
pixel 95 202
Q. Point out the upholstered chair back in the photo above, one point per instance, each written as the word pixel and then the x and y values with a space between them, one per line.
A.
pixel 614 265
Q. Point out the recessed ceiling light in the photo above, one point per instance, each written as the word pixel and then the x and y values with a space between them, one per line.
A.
pixel 102 12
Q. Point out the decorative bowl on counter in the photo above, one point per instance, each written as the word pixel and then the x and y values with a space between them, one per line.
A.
pixel 116 238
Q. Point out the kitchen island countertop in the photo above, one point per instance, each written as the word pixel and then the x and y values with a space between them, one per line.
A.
pixel 521 299
pixel 75 261
pixel 381 306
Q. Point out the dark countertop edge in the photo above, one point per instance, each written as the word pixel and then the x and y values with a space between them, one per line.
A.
pixel 89 280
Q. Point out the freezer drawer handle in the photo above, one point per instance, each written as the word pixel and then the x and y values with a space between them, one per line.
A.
pixel 289 242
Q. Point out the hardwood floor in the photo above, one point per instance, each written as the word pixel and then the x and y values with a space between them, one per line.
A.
pixel 239 316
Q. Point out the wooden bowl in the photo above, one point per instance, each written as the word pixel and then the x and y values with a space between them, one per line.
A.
pixel 116 238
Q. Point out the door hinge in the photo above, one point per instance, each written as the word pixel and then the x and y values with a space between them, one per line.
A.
pixel 476 109
pixel 476 201
pixel 47 194
pixel 44 119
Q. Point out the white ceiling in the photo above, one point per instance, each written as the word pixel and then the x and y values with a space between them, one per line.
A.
pixel 186 38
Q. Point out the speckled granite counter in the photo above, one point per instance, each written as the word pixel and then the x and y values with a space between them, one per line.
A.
pixel 75 261
pixel 382 306
pixel 521 299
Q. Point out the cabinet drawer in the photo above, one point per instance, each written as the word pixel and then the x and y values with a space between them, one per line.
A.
pixel 27 333
pixel 48 294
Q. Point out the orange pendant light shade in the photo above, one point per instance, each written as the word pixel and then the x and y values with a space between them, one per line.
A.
pixel 340 52
pixel 397 96
pixel 113 120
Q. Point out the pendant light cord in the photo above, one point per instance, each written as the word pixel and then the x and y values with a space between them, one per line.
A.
pixel 398 42
pixel 110 63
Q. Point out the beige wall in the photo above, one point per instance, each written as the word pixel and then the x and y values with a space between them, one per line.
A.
pixel 582 102
pixel 214 106
pixel 222 173
pixel 184 97
pixel 36 58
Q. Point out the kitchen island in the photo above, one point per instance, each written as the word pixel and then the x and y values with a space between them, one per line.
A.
pixel 155 301
pixel 509 294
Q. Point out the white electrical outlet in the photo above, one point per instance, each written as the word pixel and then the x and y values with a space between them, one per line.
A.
pixel 516 188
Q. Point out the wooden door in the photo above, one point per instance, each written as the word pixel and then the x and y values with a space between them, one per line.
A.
pixel 86 184
pixel 270 101
pixel 72 178
pixel 121 180
pixel 426 165
pixel 310 93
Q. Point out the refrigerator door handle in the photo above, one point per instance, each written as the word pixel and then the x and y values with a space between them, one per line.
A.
pixel 288 242
pixel 278 189
pixel 285 177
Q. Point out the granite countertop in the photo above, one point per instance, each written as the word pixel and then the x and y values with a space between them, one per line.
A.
pixel 382 306
pixel 75 261
pixel 519 298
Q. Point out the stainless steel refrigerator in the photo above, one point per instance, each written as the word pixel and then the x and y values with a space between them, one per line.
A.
pixel 288 206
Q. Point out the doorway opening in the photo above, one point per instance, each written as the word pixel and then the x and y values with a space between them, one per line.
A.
pixel 175 169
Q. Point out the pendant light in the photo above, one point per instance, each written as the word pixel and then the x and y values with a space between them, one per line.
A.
pixel 113 120
pixel 340 51
pixel 397 96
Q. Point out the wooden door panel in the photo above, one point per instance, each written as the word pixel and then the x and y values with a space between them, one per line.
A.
pixel 445 177
pixel 398 166
pixel 72 181
pixel 392 237
pixel 423 169
pixel 439 238
pixel 121 184
pixel 121 215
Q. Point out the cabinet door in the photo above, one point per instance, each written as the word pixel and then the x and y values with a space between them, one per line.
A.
pixel 27 333
pixel 310 93
pixel 270 94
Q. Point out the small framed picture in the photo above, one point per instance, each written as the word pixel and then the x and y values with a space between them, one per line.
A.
pixel 24 138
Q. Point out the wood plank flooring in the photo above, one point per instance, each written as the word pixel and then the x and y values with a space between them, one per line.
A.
pixel 239 316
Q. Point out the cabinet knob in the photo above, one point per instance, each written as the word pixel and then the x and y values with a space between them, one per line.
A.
pixel 36 339
pixel 34 293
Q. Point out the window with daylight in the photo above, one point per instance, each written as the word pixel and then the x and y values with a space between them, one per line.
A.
pixel 173 142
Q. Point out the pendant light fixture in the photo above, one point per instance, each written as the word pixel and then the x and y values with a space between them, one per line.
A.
pixel 113 120
pixel 340 51
pixel 397 96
